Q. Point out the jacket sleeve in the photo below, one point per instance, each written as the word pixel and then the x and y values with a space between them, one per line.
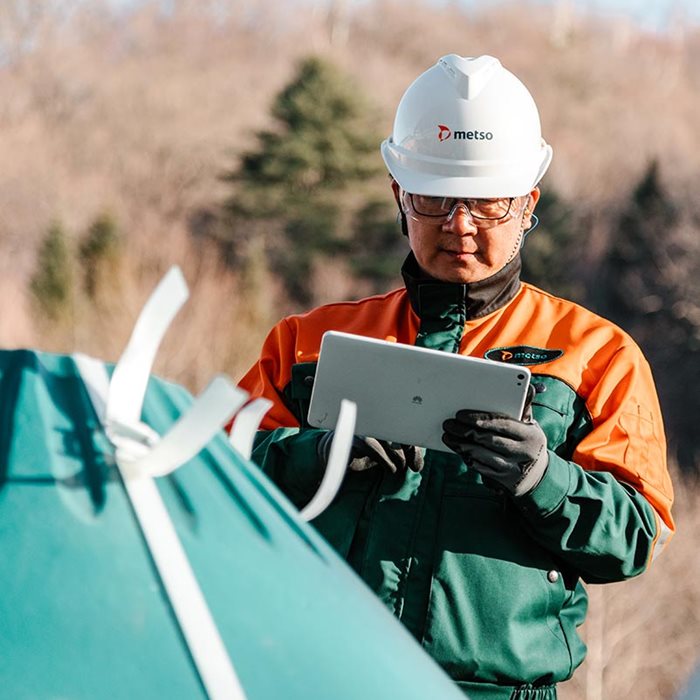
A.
pixel 287 454
pixel 289 458
pixel 607 512
pixel 270 375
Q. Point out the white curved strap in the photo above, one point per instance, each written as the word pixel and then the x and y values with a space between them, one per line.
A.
pixel 130 376
pixel 198 627
pixel 140 453
pixel 337 461
pixel 207 415
pixel 246 424
pixel 96 382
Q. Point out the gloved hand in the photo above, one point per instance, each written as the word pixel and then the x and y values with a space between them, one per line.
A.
pixel 511 452
pixel 368 452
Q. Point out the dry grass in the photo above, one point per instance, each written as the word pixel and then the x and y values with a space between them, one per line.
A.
pixel 643 635
pixel 141 116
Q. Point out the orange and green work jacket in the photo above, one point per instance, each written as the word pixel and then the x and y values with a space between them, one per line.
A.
pixel 490 585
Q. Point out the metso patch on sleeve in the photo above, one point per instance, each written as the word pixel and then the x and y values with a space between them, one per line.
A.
pixel 523 355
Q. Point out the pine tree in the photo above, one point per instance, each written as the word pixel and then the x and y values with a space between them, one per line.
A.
pixel 98 254
pixel 377 248
pixel 649 287
pixel 552 251
pixel 296 188
pixel 52 282
pixel 634 282
pixel 321 143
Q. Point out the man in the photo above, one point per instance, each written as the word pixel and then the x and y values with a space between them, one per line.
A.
pixel 481 552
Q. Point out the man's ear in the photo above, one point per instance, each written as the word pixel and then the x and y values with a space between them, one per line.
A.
pixel 530 205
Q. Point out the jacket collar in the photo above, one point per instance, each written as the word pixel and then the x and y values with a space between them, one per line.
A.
pixel 431 297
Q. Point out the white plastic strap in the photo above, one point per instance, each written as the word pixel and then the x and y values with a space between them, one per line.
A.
pixel 205 417
pixel 246 424
pixel 337 462
pixel 198 627
pixel 130 376
pixel 140 453
pixel 96 381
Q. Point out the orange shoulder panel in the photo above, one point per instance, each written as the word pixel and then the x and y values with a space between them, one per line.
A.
pixel 298 339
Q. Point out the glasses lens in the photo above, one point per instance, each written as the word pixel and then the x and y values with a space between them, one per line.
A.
pixel 431 206
pixel 490 209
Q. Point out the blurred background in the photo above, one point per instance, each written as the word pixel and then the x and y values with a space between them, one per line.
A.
pixel 239 139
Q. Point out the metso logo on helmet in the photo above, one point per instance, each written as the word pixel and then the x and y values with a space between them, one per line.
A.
pixel 444 133
pixel 435 148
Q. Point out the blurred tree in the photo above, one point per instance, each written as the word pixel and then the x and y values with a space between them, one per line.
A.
pixel 552 253
pixel 52 282
pixel 99 254
pixel 377 248
pixel 296 188
pixel 633 286
pixel 648 285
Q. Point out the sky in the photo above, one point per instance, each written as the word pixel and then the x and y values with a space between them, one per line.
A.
pixel 654 15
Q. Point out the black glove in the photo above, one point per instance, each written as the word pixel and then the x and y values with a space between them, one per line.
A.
pixel 511 452
pixel 368 452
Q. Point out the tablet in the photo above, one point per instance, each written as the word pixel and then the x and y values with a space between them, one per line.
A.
pixel 404 393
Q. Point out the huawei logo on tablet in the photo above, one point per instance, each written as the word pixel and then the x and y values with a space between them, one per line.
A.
pixel 417 400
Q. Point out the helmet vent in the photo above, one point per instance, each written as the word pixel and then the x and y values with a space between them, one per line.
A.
pixel 469 75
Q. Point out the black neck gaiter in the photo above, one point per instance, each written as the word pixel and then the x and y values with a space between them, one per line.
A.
pixel 444 307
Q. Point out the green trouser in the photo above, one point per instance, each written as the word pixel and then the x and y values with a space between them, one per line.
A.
pixel 490 691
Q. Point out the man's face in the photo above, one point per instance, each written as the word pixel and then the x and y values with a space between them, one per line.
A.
pixel 460 249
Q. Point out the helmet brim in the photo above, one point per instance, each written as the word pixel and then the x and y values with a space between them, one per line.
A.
pixel 442 178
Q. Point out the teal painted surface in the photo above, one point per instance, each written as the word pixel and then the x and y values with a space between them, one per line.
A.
pixel 82 612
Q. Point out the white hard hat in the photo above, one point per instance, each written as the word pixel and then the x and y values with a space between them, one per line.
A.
pixel 467 127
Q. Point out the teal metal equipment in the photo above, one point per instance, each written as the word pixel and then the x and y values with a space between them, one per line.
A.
pixel 83 612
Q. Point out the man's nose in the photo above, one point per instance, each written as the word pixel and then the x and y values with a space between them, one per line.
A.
pixel 460 221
